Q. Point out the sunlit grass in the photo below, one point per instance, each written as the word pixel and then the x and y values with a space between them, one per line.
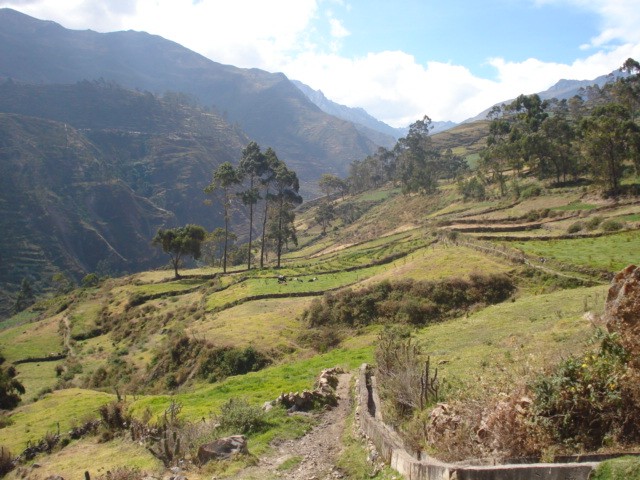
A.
pixel 513 338
pixel 32 340
pixel 609 252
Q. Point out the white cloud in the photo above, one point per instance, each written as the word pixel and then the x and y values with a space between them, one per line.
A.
pixel 337 29
pixel 287 36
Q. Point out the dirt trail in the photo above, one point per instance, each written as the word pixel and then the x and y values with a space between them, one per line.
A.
pixel 317 451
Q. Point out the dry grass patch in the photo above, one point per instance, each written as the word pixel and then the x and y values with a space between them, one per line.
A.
pixel 263 324
pixel 438 262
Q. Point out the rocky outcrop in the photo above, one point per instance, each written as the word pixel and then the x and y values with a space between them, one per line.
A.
pixel 223 448
pixel 622 310
pixel 323 394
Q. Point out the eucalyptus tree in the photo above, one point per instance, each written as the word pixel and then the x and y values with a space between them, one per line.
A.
pixel 495 158
pixel 225 178
pixel 252 166
pixel 268 177
pixel 285 198
pixel 419 163
pixel 610 138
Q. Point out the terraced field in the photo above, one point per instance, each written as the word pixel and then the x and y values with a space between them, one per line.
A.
pixel 132 321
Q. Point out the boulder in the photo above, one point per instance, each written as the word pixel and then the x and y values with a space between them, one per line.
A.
pixel 622 310
pixel 223 448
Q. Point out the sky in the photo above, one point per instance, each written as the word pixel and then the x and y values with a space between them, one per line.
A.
pixel 399 60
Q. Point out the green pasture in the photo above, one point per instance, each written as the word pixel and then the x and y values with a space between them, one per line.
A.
pixel 608 252
pixel 514 339
pixel 97 459
pixel 257 387
pixel 270 286
pixel 85 316
pixel 264 324
pixel 31 340
pixel 36 377
pixel 63 408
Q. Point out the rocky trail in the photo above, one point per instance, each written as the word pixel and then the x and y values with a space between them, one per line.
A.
pixel 313 456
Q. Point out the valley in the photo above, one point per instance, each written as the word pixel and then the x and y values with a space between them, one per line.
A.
pixel 116 331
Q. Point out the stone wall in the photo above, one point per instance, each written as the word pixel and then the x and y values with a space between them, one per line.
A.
pixel 391 449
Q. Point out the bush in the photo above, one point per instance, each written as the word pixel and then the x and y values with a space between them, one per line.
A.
pixel 612 225
pixel 238 416
pixel 575 227
pixel 531 191
pixel 584 402
pixel 593 223
pixel 10 387
pixel 407 301
pixel 114 416
pixel 472 189
pixel 321 339
pixel 404 377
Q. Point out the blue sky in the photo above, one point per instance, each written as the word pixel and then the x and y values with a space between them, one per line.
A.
pixel 400 60
pixel 468 32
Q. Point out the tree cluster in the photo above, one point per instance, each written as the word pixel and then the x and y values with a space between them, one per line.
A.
pixel 259 177
pixel 563 140
pixel 414 163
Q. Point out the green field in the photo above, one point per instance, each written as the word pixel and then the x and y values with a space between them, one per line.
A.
pixel 609 252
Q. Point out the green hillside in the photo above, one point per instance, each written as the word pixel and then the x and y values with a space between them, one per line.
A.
pixel 119 336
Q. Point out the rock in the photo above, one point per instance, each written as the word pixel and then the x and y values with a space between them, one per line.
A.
pixel 622 310
pixel 266 406
pixel 54 477
pixel 441 420
pixel 222 448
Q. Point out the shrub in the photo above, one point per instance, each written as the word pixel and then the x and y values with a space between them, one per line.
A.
pixel 612 225
pixel 472 189
pixel 238 416
pixel 10 387
pixel 575 227
pixel 531 191
pixel 407 301
pixel 114 416
pixel 593 223
pixel 321 339
pixel 403 374
pixel 6 461
pixel 583 401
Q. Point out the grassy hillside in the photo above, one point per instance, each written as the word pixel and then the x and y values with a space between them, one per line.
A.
pixel 121 336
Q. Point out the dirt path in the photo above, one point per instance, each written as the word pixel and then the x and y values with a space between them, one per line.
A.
pixel 313 456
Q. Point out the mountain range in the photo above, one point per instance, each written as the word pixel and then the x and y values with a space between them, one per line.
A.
pixel 106 137
pixel 267 106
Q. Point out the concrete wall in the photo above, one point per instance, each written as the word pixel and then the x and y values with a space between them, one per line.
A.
pixel 391 449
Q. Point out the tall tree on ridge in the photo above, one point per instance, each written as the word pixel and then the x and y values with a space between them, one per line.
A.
pixel 286 197
pixel 224 178
pixel 252 166
pixel 271 164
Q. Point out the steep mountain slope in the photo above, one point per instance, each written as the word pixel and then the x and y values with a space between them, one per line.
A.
pixel 269 108
pixel 379 132
pixel 61 209
pixel 91 170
